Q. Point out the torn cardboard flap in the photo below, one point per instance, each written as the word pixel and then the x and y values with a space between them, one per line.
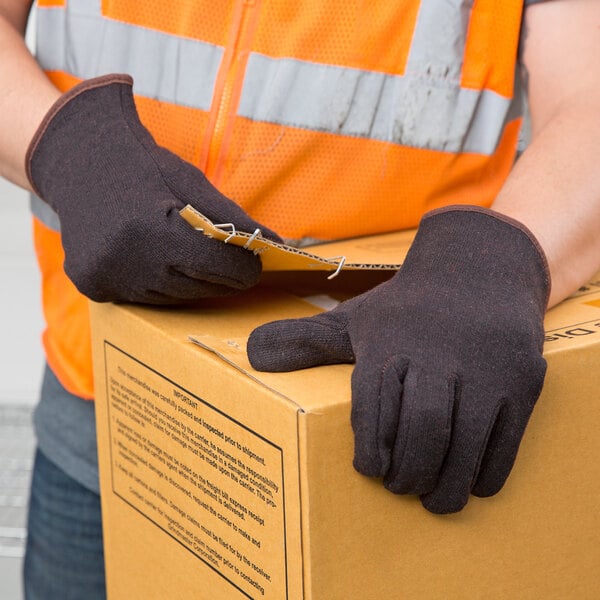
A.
pixel 231 350
pixel 379 252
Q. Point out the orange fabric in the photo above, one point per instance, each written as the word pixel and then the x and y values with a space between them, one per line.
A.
pixel 50 3
pixel 352 33
pixel 301 183
pixel 382 187
pixel 175 127
pixel 228 89
pixel 66 339
pixel 188 18
pixel 491 47
pixel 340 32
pixel 63 81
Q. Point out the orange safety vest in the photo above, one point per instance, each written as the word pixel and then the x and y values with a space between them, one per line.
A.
pixel 323 120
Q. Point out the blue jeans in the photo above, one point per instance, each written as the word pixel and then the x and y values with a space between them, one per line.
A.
pixel 64 558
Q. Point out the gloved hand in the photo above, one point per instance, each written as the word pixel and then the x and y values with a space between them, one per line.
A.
pixel 117 194
pixel 448 357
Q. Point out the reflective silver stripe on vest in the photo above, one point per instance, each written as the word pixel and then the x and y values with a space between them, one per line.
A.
pixel 424 108
pixel 44 213
pixel 373 105
pixel 82 42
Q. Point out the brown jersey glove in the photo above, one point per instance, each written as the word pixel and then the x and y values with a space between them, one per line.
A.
pixel 117 194
pixel 448 357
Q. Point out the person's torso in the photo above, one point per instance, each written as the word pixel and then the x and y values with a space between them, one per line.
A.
pixel 324 120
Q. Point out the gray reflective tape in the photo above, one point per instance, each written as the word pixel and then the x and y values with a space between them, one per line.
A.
pixel 410 110
pixel 44 213
pixel 424 108
pixel 439 39
pixel 86 44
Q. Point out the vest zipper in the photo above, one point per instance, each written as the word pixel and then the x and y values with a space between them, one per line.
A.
pixel 228 89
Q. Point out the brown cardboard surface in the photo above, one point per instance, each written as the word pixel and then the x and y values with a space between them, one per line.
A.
pixel 574 322
pixel 219 482
pixel 174 448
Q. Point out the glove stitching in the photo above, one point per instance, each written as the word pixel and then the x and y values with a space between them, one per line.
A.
pixel 453 394
pixel 401 374
pixel 167 179
pixel 450 404
pixel 453 382
pixel 500 406
pixel 133 127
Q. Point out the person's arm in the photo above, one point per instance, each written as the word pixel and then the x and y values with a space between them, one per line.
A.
pixel 26 93
pixel 554 188
pixel 117 193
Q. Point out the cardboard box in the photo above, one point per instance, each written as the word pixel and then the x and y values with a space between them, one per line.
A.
pixel 219 482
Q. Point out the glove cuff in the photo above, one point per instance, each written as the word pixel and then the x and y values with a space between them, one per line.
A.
pixel 74 92
pixel 509 221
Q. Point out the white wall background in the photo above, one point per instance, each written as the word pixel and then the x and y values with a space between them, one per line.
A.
pixel 21 362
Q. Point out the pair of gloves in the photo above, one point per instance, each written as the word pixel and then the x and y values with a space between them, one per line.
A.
pixel 448 352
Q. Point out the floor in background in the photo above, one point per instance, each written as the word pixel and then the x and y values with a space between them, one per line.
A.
pixel 21 363
pixel 16 453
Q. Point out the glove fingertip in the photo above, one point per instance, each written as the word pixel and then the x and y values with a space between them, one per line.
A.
pixel 259 348
pixel 367 465
pixel 489 484
pixel 443 506
pixel 273 347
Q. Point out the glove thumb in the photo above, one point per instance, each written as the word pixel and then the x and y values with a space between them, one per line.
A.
pixel 294 344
